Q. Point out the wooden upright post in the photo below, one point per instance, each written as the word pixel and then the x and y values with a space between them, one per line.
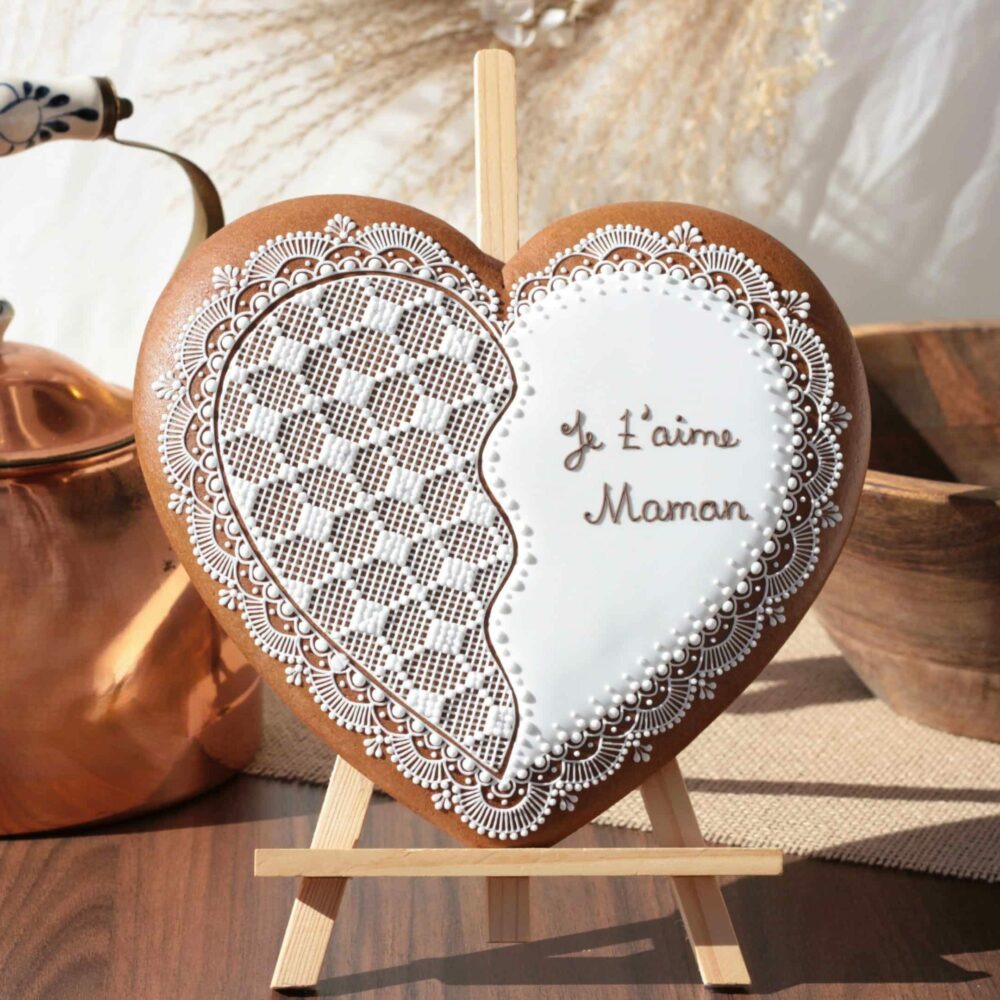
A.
pixel 498 227
pixel 498 232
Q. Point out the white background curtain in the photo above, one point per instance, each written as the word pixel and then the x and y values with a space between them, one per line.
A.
pixel 891 188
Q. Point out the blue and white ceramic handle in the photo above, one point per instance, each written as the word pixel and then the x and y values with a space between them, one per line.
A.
pixel 36 110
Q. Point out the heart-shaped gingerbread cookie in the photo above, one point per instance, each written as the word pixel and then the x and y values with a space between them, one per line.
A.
pixel 508 538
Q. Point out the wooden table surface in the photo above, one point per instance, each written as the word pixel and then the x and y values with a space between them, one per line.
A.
pixel 166 907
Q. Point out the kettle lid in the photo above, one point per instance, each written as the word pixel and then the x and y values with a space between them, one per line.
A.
pixel 52 409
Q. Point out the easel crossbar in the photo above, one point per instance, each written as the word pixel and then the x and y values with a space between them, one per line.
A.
pixel 512 862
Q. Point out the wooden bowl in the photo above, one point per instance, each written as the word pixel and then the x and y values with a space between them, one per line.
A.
pixel 914 602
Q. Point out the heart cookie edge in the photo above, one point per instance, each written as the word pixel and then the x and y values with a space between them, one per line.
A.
pixel 192 284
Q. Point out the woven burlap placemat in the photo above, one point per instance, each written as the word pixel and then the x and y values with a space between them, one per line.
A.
pixel 805 760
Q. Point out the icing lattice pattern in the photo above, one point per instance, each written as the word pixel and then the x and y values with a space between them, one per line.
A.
pixel 327 413
pixel 349 425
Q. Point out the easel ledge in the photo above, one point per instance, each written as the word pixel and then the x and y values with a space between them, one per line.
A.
pixel 507 862
pixel 333 858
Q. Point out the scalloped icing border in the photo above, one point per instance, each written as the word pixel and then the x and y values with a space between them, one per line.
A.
pixel 659 699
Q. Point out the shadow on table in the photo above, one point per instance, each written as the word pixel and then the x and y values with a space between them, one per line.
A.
pixel 790 684
pixel 819 923
pixel 240 799
pixel 846 790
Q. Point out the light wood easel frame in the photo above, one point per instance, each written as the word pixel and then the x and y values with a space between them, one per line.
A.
pixel 333 857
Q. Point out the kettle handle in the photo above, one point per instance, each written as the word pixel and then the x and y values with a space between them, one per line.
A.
pixel 70 107
pixel 33 112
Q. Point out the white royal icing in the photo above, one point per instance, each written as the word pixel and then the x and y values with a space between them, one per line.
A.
pixel 326 437
pixel 676 526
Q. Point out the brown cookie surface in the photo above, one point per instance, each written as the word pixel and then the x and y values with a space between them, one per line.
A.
pixel 508 538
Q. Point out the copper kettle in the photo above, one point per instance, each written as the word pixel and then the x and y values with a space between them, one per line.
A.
pixel 118 693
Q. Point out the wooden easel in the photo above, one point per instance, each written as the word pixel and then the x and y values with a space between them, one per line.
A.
pixel 333 858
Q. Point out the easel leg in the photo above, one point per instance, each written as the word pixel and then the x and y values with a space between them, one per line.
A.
pixel 509 908
pixel 315 909
pixel 699 898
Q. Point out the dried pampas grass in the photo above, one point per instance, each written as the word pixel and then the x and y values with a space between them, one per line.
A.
pixel 654 99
